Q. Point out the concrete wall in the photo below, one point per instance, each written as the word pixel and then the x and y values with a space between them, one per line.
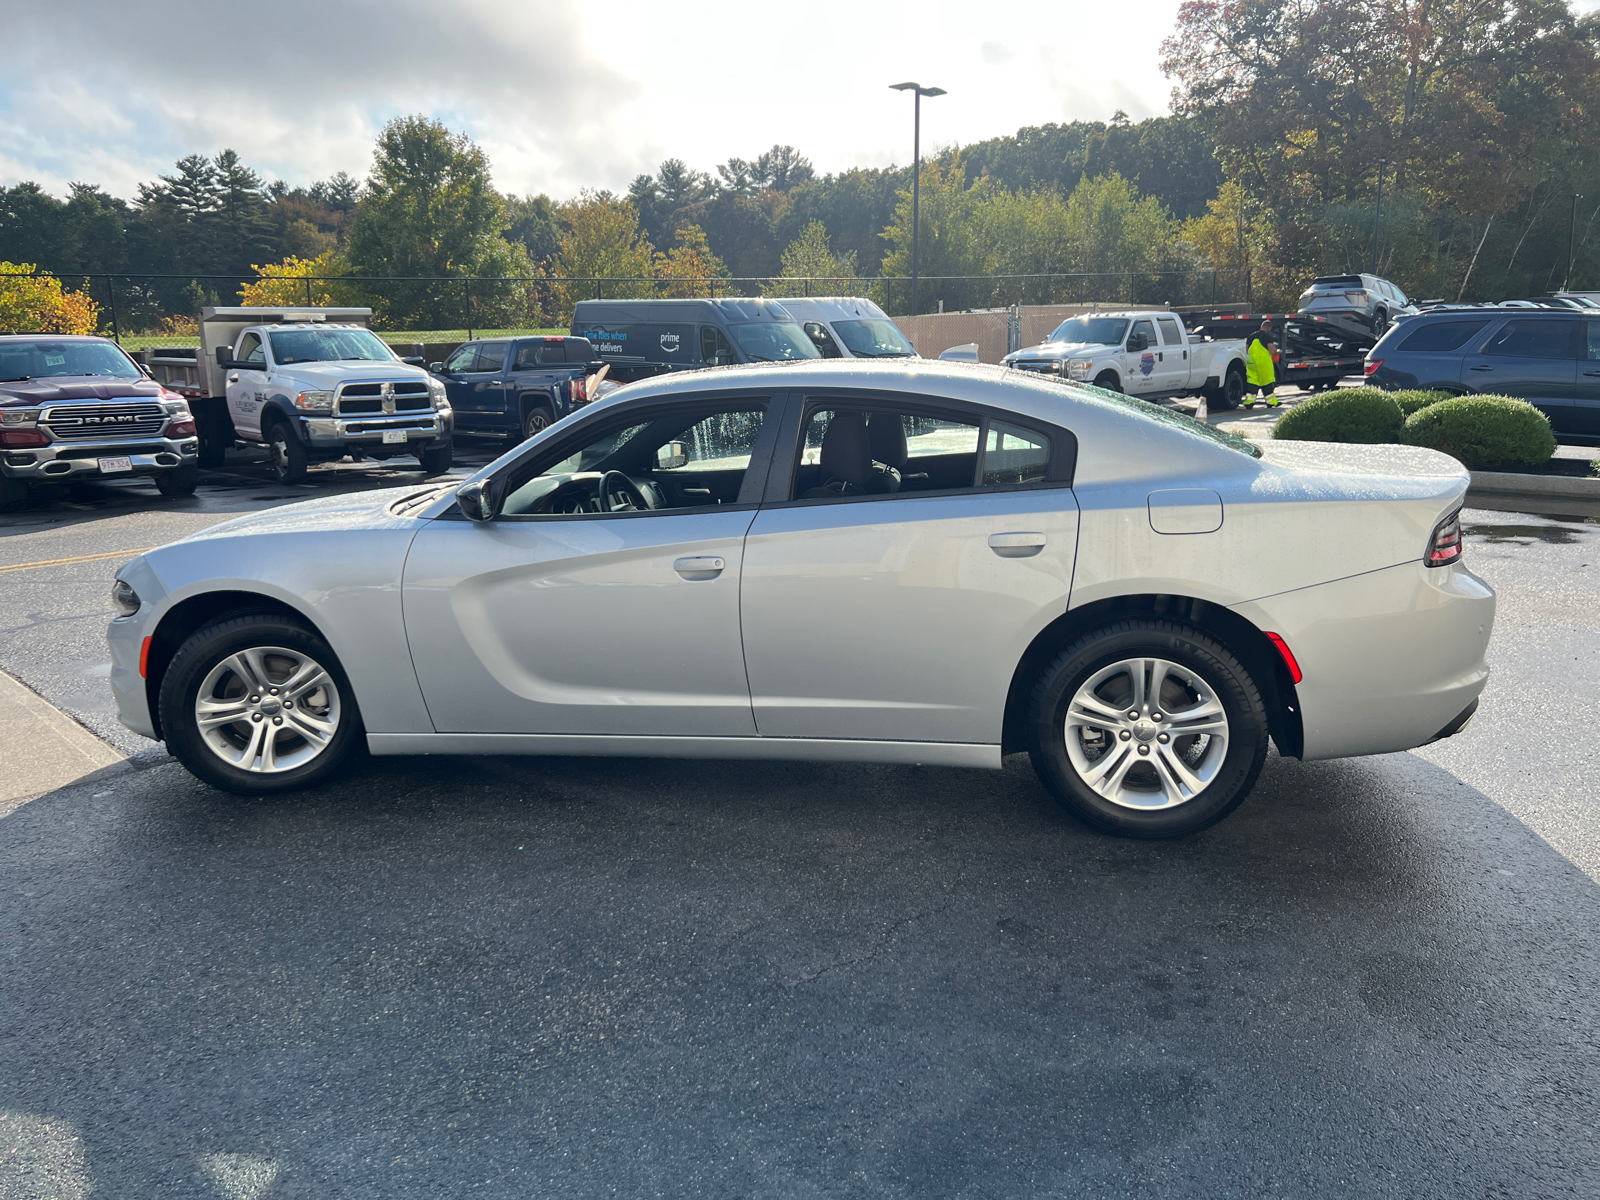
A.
pixel 932 333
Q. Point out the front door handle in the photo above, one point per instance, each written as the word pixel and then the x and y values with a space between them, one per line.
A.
pixel 704 566
pixel 1016 545
pixel 233 378
pixel 1592 373
pixel 1482 368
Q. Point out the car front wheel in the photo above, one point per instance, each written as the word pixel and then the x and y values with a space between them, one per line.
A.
pixel 1147 729
pixel 257 703
pixel 1109 381
pixel 289 458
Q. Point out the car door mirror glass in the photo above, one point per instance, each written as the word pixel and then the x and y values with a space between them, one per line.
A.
pixel 477 500
pixel 437 368
pixel 672 456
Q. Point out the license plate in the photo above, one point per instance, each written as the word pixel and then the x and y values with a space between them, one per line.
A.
pixel 391 436
pixel 110 466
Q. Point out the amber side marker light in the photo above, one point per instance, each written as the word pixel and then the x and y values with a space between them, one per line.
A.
pixel 144 659
pixel 1288 657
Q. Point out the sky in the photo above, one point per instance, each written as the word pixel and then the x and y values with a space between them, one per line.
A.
pixel 562 97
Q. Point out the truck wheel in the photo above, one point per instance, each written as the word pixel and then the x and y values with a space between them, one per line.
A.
pixel 1109 381
pixel 536 420
pixel 13 492
pixel 1380 322
pixel 288 455
pixel 437 458
pixel 1232 391
pixel 1147 729
pixel 257 703
pixel 180 481
pixel 214 428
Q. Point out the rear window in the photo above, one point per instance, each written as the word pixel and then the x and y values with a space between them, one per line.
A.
pixel 1170 417
pixel 1438 336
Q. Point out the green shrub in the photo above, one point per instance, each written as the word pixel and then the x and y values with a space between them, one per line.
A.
pixel 1487 433
pixel 1411 401
pixel 1343 415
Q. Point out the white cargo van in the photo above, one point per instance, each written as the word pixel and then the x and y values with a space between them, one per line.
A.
pixel 848 327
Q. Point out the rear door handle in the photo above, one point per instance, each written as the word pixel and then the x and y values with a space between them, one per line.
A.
pixel 705 566
pixel 1016 545
pixel 1482 368
pixel 1591 373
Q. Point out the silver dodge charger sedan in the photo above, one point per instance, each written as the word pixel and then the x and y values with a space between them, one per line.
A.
pixel 874 562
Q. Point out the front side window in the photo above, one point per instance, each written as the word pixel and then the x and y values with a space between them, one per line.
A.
pixel 328 345
pixel 1592 329
pixel 251 350
pixel 713 343
pixel 821 339
pixel 1146 329
pixel 691 457
pixel 460 362
pixel 879 338
pixel 773 341
pixel 44 358
pixel 1533 338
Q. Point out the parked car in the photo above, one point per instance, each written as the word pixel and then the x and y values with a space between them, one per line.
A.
pixel 309 384
pixel 1549 357
pixel 848 327
pixel 75 408
pixel 1364 302
pixel 516 386
pixel 642 338
pixel 872 562
pixel 1143 353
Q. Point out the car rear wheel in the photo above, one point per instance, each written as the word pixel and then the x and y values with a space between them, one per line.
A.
pixel 289 459
pixel 1109 381
pixel 258 703
pixel 1380 322
pixel 536 420
pixel 1147 729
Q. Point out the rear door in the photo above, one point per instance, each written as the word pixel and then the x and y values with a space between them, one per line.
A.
pixel 1585 416
pixel 1534 358
pixel 901 615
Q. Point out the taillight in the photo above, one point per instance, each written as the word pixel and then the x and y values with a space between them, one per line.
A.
pixel 580 390
pixel 1372 365
pixel 18 438
pixel 1444 547
pixel 182 427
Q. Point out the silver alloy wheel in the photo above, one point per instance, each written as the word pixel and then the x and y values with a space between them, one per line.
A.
pixel 267 709
pixel 280 455
pixel 1146 733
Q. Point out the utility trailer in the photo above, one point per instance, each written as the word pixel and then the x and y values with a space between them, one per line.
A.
pixel 1314 353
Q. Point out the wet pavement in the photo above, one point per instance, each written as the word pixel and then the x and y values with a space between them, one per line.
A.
pixel 521 977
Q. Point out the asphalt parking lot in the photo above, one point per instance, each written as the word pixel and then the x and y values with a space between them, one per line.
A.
pixel 521 977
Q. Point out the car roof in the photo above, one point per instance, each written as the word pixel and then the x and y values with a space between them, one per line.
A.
pixel 830 308
pixel 54 337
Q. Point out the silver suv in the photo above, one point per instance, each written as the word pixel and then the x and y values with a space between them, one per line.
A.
pixel 1365 301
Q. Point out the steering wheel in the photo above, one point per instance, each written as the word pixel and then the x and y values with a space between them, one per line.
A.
pixel 618 493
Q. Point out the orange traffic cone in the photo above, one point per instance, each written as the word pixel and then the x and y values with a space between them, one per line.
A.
pixel 1201 412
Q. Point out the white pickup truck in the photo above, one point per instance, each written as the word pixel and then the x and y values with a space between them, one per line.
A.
pixel 1143 353
pixel 309 384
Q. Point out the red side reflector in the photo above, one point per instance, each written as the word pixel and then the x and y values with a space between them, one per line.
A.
pixel 144 658
pixel 1288 657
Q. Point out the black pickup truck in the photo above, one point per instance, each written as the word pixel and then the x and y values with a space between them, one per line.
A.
pixel 516 386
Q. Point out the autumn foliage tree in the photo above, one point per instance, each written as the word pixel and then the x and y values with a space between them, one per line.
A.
pixel 39 304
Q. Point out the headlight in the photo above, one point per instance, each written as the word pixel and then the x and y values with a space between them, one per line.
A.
pixel 124 599
pixel 24 417
pixel 1078 370
pixel 437 394
pixel 175 408
pixel 314 401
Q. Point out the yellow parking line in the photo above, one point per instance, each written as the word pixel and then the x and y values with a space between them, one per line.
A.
pixel 76 558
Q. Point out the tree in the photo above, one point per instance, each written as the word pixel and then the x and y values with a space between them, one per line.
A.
pixel 687 269
pixel 533 222
pixel 810 256
pixel 429 209
pixel 603 241
pixel 1232 238
pixel 39 304
pixel 286 283
pixel 947 244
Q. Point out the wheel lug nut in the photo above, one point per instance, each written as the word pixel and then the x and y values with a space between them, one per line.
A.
pixel 1144 749
pixel 1133 716
pixel 288 703
pixel 1126 735
pixel 255 716
pixel 277 720
pixel 1164 738
pixel 255 699
pixel 274 691
pixel 1155 716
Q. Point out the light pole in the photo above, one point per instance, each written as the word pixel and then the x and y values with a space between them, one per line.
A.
pixel 1377 215
pixel 1572 243
pixel 918 92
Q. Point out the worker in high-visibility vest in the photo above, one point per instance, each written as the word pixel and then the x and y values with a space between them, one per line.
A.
pixel 1260 361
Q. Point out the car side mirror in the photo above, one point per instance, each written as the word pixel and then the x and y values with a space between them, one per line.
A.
pixel 436 368
pixel 1138 341
pixel 413 360
pixel 479 499
pixel 721 358
pixel 672 456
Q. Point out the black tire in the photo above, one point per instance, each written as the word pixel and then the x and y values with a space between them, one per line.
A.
pixel 1231 393
pixel 437 458
pixel 13 492
pixel 286 453
pixel 179 481
pixel 1109 381
pixel 536 419
pixel 215 433
pixel 1233 773
pixel 1380 322
pixel 208 648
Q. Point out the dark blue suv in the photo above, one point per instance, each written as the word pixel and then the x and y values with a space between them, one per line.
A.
pixel 1549 358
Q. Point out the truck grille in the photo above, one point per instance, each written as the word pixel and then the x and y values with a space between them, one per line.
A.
pixel 370 398
pixel 1047 366
pixel 69 422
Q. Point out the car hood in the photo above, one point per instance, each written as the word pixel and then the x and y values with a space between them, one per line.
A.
pixel 29 392
pixel 1058 349
pixel 328 376
pixel 355 512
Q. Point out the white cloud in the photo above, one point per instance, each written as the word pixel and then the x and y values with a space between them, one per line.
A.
pixel 561 97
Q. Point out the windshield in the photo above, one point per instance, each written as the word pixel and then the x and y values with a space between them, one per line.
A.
pixel 773 341
pixel 43 359
pixel 874 339
pixel 329 345
pixel 1105 331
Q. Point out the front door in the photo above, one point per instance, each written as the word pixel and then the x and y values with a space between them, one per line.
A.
pixel 1139 372
pixel 247 386
pixel 586 609
pixel 897 606
pixel 1585 416
pixel 1532 358
pixel 481 386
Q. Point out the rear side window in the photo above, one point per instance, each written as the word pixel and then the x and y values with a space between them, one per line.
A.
pixel 1169 332
pixel 1533 338
pixel 491 356
pixel 1014 455
pixel 1439 336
